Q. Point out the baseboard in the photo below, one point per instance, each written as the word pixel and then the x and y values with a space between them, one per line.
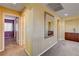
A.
pixel 47 49
pixel 27 52
pixel 2 50
pixel 61 39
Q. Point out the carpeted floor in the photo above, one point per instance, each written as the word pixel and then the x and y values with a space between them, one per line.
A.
pixel 64 48
pixel 12 49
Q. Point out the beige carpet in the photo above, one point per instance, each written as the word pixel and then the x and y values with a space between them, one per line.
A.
pixel 12 49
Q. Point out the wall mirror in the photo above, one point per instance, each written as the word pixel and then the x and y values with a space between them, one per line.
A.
pixel 48 25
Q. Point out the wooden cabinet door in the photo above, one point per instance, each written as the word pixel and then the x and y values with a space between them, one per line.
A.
pixel 72 36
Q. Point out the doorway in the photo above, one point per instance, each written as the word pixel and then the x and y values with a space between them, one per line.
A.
pixel 10 30
pixel 58 29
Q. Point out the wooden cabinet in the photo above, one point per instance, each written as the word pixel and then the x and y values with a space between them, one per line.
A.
pixel 72 36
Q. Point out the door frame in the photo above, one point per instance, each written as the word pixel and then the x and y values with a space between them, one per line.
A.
pixel 58 29
pixel 10 22
pixel 4 14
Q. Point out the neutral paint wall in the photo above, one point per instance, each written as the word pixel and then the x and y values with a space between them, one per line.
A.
pixel 58 29
pixel 35 29
pixel 61 29
pixel 66 24
pixel 1 30
pixel 4 11
pixel 40 44
pixel 27 29
pixel 71 24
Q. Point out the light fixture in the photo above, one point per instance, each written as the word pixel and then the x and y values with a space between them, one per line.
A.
pixel 65 14
pixel 13 3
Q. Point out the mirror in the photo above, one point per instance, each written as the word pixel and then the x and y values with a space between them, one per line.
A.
pixel 48 25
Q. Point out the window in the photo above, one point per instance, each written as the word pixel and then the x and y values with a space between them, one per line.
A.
pixel 8 26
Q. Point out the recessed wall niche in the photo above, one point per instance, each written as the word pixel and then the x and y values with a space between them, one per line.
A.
pixel 48 25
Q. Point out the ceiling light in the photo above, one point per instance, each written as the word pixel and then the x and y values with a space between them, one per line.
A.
pixel 66 14
pixel 13 3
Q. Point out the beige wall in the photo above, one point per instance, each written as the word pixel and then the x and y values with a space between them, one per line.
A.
pixel 35 29
pixel 67 24
pixel 27 29
pixel 71 24
pixel 39 42
pixel 61 29
pixel 1 33
pixel 58 30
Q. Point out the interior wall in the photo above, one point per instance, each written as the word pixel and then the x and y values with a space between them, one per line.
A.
pixel 61 29
pixel 4 11
pixel 1 31
pixel 27 29
pixel 66 25
pixel 39 43
pixel 71 24
pixel 42 43
pixel 58 30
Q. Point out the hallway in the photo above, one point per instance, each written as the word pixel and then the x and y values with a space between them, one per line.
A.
pixel 64 48
pixel 36 27
pixel 13 49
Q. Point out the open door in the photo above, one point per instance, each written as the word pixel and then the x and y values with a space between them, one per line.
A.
pixel 11 30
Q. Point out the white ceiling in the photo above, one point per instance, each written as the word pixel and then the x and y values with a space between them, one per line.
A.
pixel 14 6
pixel 70 9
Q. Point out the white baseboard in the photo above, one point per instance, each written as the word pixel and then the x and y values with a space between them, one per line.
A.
pixel 1 50
pixel 27 52
pixel 47 49
pixel 61 39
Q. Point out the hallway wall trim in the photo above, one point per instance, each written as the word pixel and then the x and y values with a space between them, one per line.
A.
pixel 1 50
pixel 47 49
pixel 27 52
